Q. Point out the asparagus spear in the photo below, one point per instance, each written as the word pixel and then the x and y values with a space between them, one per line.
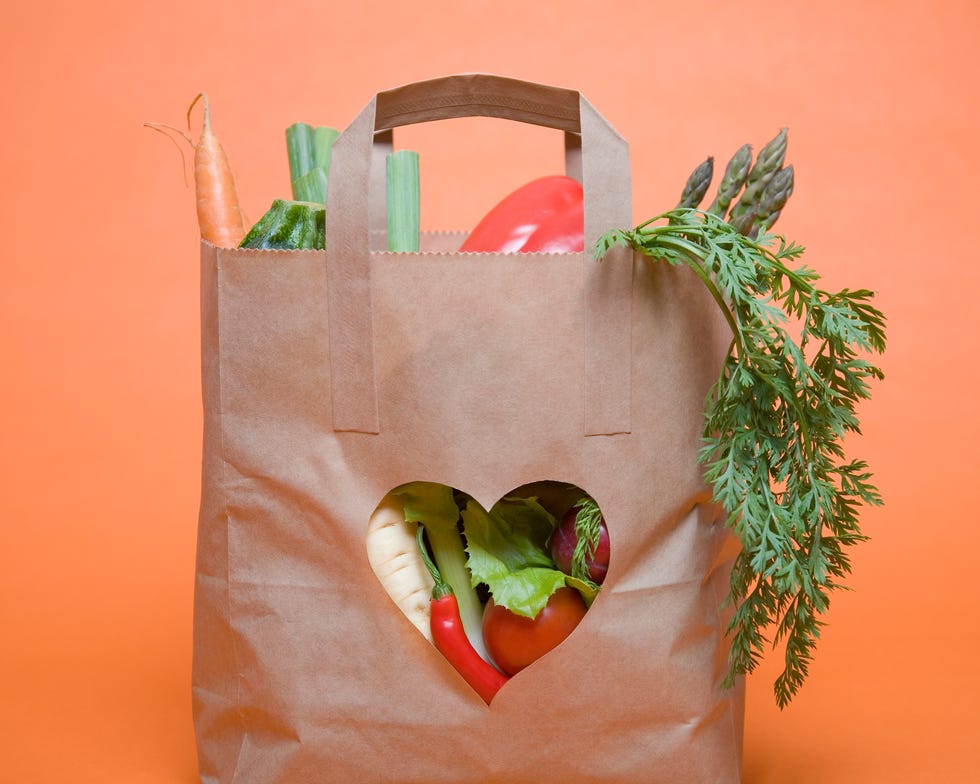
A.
pixel 769 161
pixel 774 198
pixel 767 187
pixel 697 184
pixel 731 183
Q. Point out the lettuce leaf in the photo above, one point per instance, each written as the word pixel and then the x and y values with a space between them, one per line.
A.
pixel 507 550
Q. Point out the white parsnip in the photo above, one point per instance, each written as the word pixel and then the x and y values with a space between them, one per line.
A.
pixel 394 556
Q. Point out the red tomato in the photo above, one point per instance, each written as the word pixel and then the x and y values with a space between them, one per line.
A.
pixel 522 213
pixel 514 641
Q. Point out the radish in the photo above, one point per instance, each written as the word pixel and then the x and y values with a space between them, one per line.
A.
pixel 580 542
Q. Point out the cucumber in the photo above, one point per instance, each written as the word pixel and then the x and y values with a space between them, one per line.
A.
pixel 288 225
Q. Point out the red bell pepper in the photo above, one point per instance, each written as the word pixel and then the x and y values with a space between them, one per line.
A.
pixel 563 232
pixel 545 215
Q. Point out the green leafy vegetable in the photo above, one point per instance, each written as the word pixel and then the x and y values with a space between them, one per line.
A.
pixel 775 422
pixel 508 552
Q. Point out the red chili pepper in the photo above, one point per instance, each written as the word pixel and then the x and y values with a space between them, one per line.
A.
pixel 450 638
pixel 543 215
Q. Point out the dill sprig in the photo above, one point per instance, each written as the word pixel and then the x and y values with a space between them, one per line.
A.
pixel 775 421
pixel 588 529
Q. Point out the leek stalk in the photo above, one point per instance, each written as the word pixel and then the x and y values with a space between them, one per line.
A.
pixel 402 200
pixel 308 149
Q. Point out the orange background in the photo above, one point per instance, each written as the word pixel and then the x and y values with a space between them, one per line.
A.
pixel 99 479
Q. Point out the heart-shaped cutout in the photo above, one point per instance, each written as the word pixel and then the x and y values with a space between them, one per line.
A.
pixel 492 590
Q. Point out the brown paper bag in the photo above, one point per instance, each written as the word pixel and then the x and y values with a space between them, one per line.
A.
pixel 332 377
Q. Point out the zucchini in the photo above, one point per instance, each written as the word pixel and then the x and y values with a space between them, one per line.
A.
pixel 289 225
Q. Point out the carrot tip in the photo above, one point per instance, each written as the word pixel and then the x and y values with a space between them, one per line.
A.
pixel 203 98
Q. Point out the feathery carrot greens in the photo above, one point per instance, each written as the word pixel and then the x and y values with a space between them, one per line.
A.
pixel 774 426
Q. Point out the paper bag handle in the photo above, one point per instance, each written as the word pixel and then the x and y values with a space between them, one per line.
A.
pixel 591 143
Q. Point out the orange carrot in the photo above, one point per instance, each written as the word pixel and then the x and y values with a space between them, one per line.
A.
pixel 218 212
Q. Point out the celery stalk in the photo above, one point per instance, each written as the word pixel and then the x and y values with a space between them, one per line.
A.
pixel 299 148
pixel 433 506
pixel 311 186
pixel 402 192
pixel 323 139
pixel 308 149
